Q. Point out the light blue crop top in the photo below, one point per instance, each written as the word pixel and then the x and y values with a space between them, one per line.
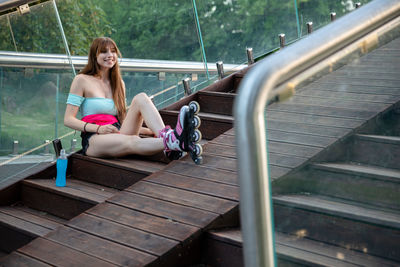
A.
pixel 93 105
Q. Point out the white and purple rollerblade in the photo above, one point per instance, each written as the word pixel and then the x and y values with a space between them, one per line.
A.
pixel 185 136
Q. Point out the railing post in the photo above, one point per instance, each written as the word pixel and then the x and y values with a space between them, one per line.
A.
pixel 309 27
pixel 220 69
pixel 333 16
pixel 186 86
pixel 250 57
pixel 282 40
pixel 46 147
pixel 73 145
pixel 15 147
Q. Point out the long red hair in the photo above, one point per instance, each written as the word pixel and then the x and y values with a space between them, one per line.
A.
pixel 92 68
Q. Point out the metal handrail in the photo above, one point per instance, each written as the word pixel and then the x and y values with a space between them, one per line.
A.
pixel 60 61
pixel 257 89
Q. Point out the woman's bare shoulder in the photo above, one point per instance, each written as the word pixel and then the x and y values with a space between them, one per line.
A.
pixel 80 83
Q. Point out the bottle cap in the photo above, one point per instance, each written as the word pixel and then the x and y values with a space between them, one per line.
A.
pixel 62 154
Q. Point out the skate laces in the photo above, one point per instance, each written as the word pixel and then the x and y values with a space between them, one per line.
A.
pixel 171 142
pixel 163 131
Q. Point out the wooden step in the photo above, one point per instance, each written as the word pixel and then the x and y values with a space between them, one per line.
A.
pixel 370 185
pixel 115 173
pixel 19 259
pixel 376 150
pixel 224 248
pixel 65 202
pixel 216 102
pixel 340 223
pixel 212 125
pixel 19 225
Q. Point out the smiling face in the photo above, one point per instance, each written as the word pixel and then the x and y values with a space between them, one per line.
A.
pixel 107 57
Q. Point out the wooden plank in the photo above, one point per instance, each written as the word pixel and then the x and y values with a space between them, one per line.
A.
pixel 314 119
pixel 354 88
pixel 145 166
pixel 97 189
pixel 362 74
pixel 124 235
pixel 175 212
pixel 219 150
pixel 25 227
pixel 59 255
pixel 355 81
pixel 39 213
pixel 348 256
pixel 292 149
pixel 225 139
pixel 21 260
pixel 302 128
pixel 302 139
pixel 216 162
pixel 319 110
pixel 55 204
pixel 216 102
pixel 145 222
pixel 183 197
pixel 110 175
pixel 71 190
pixel 28 217
pixel 339 95
pixel 202 186
pixel 346 232
pixel 100 248
pixel 277 171
pixel 274 158
pixel 327 102
pixel 202 172
pixel 285 160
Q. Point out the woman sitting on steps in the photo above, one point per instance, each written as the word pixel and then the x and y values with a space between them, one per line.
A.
pixel 108 130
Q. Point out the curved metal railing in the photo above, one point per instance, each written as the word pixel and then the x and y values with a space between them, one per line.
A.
pixel 275 78
pixel 59 61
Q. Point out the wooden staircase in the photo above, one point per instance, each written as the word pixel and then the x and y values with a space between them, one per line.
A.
pixel 334 163
pixel 341 208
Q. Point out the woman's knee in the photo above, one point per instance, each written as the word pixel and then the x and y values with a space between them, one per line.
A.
pixel 140 99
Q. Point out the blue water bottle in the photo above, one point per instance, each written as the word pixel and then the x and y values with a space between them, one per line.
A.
pixel 62 163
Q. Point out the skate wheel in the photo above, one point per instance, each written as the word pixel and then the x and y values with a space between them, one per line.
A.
pixel 196 136
pixel 193 105
pixel 196 121
pixel 198 160
pixel 198 150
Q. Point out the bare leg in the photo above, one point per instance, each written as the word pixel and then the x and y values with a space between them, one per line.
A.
pixel 142 108
pixel 117 145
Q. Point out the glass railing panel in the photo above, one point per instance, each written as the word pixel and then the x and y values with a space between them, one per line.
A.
pixel 153 29
pixel 319 12
pixel 32 99
pixel 229 27
pixel 32 111
pixel 6 37
pixel 36 31
pixel 164 88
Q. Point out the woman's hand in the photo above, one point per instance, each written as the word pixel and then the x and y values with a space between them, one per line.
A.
pixel 107 129
pixel 146 131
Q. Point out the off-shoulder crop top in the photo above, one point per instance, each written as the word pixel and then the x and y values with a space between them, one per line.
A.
pixel 92 105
